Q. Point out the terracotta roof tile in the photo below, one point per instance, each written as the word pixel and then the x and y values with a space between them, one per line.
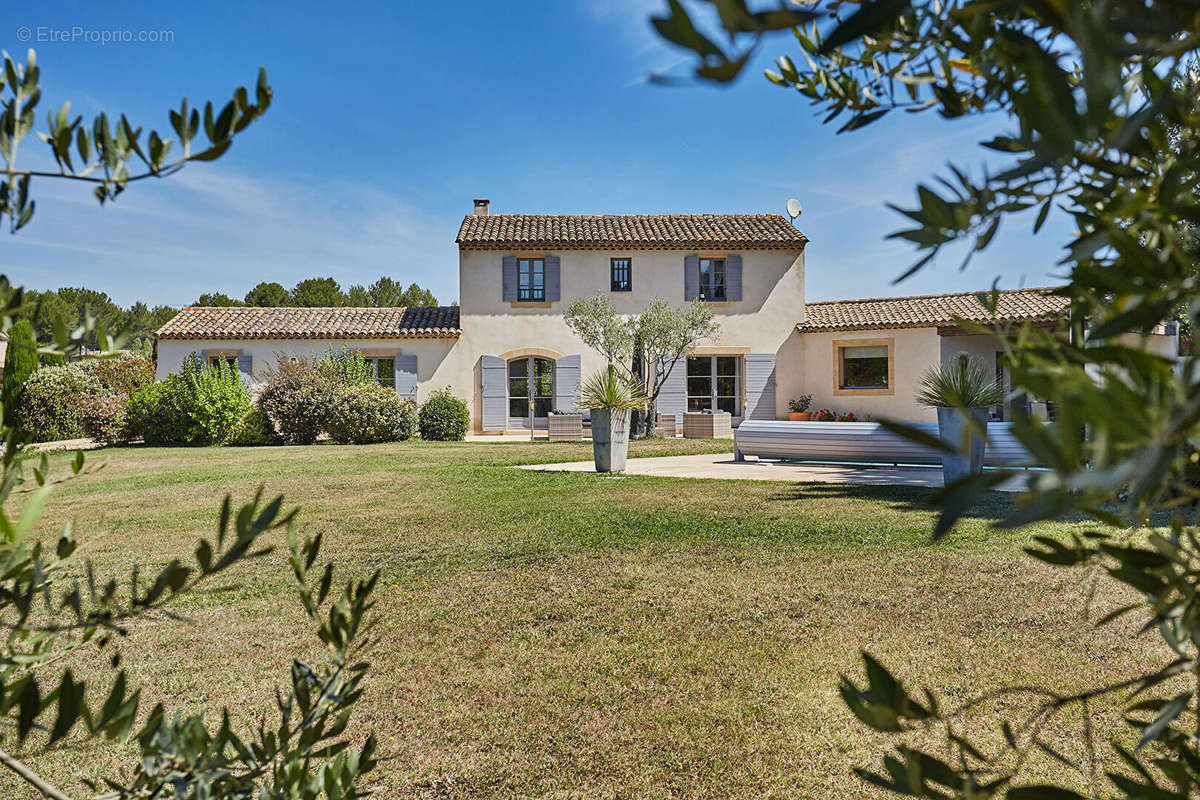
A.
pixel 648 231
pixel 931 310
pixel 312 323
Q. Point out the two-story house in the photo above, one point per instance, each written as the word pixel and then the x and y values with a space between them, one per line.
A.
pixel 518 273
pixel 508 352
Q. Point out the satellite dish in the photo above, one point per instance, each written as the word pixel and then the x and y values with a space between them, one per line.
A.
pixel 794 208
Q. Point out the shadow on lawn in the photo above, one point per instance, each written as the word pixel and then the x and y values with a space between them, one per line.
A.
pixel 994 507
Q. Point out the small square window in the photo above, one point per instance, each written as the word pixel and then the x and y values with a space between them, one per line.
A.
pixel 864 367
pixel 385 371
pixel 622 274
pixel 216 360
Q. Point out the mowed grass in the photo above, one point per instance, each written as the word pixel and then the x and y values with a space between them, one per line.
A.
pixel 571 635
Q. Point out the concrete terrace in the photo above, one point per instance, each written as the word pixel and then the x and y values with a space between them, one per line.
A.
pixel 721 466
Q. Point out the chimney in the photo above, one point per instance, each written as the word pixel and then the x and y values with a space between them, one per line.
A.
pixel 481 207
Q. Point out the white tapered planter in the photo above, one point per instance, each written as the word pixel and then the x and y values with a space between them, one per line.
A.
pixel 955 430
pixel 610 438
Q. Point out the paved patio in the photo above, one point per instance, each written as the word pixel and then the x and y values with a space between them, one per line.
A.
pixel 723 467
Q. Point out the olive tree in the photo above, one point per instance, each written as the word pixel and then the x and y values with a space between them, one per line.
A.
pixel 1098 101
pixel 55 604
pixel 647 347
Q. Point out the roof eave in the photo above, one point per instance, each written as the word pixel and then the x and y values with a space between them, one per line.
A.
pixel 274 335
pixel 892 326
pixel 510 244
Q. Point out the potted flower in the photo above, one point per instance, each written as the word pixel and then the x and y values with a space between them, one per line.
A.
pixel 847 417
pixel 611 397
pixel 798 408
pixel 824 415
pixel 961 392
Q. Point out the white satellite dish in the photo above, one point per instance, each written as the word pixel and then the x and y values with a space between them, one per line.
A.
pixel 794 208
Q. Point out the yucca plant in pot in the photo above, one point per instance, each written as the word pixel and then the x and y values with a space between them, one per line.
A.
pixel 611 397
pixel 961 391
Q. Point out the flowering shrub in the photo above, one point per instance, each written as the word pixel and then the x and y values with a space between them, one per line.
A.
pixel 124 375
pixel 50 402
pixel 254 429
pixel 105 418
pixel 297 399
pixel 443 417
pixel 370 413
pixel 847 417
pixel 824 415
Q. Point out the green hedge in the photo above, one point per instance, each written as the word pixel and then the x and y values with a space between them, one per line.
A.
pixel 51 401
pixel 368 414
pixel 443 417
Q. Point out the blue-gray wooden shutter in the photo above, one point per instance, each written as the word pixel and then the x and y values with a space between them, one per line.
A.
pixel 245 364
pixel 760 386
pixel 567 375
pixel 733 277
pixel 406 376
pixel 508 270
pixel 553 279
pixel 494 393
pixel 672 397
pixel 691 278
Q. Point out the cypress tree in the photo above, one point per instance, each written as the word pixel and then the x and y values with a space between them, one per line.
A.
pixel 20 361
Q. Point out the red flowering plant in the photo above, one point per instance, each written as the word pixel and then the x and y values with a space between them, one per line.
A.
pixel 847 417
pixel 824 415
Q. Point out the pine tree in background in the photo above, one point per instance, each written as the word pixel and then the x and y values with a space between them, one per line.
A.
pixel 268 294
pixel 19 363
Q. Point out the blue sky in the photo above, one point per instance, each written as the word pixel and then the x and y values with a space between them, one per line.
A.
pixel 390 117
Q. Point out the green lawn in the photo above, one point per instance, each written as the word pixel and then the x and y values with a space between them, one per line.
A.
pixel 571 635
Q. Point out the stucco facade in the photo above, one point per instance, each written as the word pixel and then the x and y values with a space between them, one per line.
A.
pixel 808 365
pixel 761 322
pixel 433 355
pixel 507 350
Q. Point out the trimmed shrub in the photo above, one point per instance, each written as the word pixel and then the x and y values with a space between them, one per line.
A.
pixel 160 412
pixel 105 418
pixel 443 417
pixel 50 402
pixel 254 429
pixel 124 375
pixel 20 361
pixel 297 399
pixel 370 413
pixel 51 360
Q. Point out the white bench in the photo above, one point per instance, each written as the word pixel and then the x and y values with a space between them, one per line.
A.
pixel 863 442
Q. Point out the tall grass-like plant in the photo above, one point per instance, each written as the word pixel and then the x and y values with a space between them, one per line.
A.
pixel 219 400
pixel 607 388
pixel 346 368
pixel 611 397
pixel 963 383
